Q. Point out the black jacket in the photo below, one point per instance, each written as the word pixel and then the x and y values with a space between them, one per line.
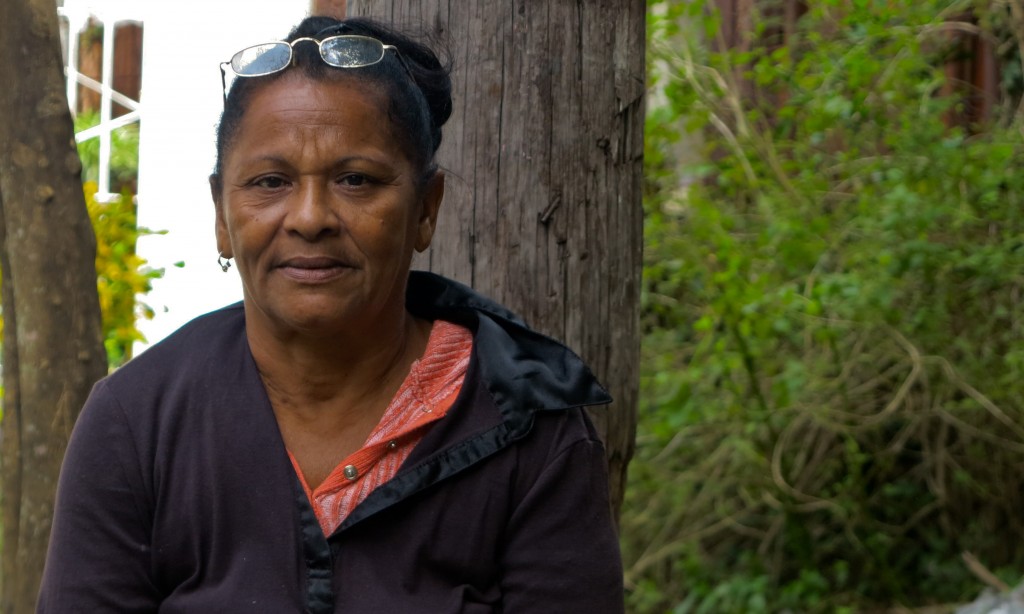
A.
pixel 177 494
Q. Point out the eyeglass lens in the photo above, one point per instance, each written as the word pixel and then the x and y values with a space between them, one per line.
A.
pixel 351 51
pixel 261 59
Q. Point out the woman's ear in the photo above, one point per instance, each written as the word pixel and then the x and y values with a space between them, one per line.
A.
pixel 220 225
pixel 433 194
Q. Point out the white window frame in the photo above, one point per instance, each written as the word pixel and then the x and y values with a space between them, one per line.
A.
pixel 110 13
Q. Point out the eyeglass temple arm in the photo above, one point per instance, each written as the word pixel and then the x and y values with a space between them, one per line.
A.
pixel 224 82
pixel 401 60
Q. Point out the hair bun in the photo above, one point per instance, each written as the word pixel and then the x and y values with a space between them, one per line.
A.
pixel 433 78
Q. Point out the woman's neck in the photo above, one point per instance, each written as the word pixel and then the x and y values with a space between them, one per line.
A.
pixel 347 370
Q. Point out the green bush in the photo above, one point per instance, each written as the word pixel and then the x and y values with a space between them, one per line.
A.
pixel 121 275
pixel 833 358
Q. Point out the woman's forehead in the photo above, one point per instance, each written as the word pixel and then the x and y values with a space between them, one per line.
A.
pixel 334 88
pixel 326 116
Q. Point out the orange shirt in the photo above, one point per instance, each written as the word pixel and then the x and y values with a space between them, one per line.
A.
pixel 424 397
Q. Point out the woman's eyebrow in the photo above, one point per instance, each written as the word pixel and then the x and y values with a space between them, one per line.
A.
pixel 382 161
pixel 273 158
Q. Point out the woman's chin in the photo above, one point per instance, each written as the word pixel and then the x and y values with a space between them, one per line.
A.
pixel 328 316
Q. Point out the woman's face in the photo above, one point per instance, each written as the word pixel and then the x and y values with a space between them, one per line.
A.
pixel 321 208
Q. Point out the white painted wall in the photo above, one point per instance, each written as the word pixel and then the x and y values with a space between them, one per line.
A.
pixel 183 43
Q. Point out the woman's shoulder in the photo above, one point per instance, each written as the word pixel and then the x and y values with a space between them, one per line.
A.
pixel 197 351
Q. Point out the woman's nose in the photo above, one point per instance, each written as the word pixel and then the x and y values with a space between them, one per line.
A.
pixel 310 212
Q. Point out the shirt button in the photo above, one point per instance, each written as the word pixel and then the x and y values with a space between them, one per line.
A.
pixel 351 472
pixel 392 445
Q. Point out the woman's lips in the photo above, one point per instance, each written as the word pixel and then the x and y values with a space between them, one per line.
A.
pixel 313 269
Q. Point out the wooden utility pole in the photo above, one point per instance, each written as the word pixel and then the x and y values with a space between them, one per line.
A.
pixel 331 8
pixel 544 157
pixel 52 345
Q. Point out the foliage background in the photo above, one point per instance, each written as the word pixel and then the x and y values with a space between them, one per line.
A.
pixel 121 275
pixel 832 393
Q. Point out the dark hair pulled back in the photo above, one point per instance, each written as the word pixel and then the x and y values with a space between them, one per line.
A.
pixel 418 106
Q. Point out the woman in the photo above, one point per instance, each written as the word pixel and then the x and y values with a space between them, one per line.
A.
pixel 351 437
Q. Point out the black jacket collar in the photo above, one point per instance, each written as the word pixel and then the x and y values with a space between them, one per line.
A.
pixel 523 369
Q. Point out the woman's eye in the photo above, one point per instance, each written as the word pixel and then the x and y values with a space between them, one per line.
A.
pixel 270 182
pixel 354 180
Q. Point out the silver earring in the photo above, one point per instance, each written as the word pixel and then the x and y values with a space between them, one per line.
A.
pixel 225 263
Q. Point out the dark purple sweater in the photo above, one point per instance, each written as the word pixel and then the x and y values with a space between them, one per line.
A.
pixel 177 494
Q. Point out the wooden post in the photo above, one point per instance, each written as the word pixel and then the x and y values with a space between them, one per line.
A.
pixel 53 345
pixel 544 158
pixel 330 8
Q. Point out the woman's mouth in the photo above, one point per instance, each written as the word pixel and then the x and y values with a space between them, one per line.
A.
pixel 313 269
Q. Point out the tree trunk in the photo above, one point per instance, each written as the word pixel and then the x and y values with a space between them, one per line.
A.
pixel 544 157
pixel 53 348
